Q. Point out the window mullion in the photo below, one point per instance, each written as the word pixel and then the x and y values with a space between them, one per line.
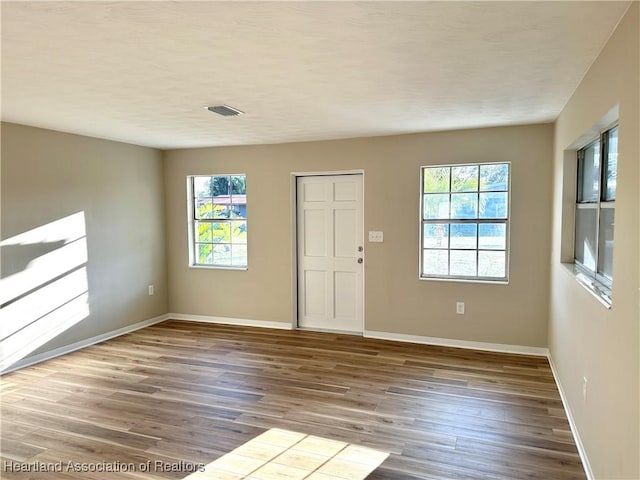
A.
pixel 449 230
pixel 478 225
pixel 449 223
pixel 465 220
pixel 603 151
pixel 478 230
pixel 579 173
pixel 604 142
pixel 450 189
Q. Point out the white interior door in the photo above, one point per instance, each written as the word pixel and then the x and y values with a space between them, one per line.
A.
pixel 330 257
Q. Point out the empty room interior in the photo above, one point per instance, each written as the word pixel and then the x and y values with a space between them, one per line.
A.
pixel 320 240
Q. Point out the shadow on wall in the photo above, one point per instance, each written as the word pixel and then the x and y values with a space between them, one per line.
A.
pixel 44 289
pixel 16 258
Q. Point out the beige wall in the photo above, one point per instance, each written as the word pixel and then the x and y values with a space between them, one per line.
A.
pixel 395 300
pixel 585 338
pixel 49 175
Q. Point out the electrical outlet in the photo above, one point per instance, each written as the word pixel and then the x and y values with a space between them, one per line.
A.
pixel 460 308
pixel 377 237
pixel 584 389
pixel 152 290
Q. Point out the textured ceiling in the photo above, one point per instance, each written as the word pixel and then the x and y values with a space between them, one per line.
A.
pixel 140 72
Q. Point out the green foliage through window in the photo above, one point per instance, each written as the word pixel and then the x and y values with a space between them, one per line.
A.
pixel 220 220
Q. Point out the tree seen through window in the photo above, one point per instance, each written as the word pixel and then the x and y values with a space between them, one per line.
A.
pixel 220 220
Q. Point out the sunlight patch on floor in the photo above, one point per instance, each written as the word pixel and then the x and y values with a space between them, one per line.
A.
pixel 286 455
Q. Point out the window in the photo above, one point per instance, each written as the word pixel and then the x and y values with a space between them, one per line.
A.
pixel 465 222
pixel 595 213
pixel 218 221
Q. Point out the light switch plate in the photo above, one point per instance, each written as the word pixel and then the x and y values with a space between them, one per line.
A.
pixel 376 237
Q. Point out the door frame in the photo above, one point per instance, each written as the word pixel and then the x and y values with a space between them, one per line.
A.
pixel 294 238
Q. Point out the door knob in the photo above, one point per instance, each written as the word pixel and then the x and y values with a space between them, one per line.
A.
pixel 360 260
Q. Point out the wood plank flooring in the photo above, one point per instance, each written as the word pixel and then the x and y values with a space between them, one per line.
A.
pixel 189 392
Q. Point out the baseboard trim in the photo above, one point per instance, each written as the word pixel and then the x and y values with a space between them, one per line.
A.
pixel 243 322
pixel 451 342
pixel 572 424
pixel 56 352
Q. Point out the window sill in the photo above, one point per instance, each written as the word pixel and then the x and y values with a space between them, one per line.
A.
pixel 464 280
pixel 219 267
pixel 588 284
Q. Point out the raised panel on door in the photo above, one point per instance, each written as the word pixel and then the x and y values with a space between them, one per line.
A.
pixel 345 191
pixel 345 286
pixel 345 232
pixel 315 192
pixel 314 221
pixel 315 286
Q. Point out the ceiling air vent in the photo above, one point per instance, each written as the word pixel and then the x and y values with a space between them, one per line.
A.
pixel 225 110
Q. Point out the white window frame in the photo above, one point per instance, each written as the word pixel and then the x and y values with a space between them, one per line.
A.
pixel 477 221
pixel 599 284
pixel 191 224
